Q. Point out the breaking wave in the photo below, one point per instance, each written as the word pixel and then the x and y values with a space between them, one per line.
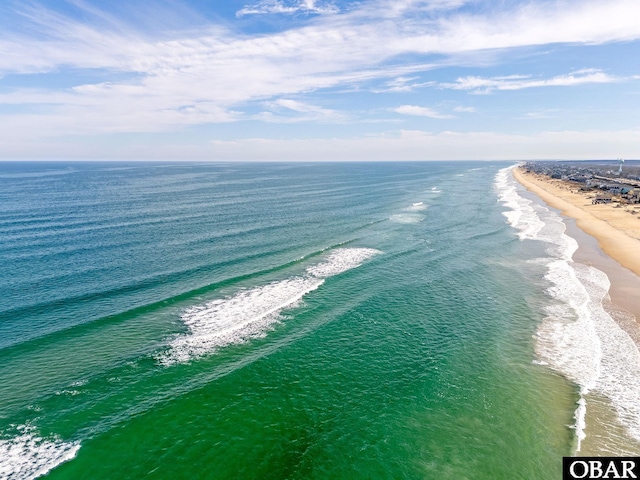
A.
pixel 577 337
pixel 28 456
pixel 251 313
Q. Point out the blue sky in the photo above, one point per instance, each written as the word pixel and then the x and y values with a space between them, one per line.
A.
pixel 319 79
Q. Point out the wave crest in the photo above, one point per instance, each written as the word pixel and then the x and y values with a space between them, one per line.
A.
pixel 251 313
pixel 28 456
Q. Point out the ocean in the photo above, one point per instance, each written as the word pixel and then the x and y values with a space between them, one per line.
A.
pixel 297 321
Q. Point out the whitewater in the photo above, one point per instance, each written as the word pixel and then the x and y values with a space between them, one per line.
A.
pixel 578 337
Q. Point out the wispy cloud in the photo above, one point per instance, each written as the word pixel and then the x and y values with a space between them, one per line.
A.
pixel 280 111
pixel 172 78
pixel 462 109
pixel 419 111
pixel 352 39
pixel 540 114
pixel 287 7
pixel 401 84
pixel 517 82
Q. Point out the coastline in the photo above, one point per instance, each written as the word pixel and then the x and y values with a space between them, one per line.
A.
pixel 616 232
pixel 606 240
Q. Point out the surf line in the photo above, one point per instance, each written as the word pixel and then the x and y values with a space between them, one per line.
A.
pixel 29 456
pixel 578 337
pixel 252 313
pixel 565 340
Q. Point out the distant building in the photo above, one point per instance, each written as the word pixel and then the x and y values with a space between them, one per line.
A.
pixel 631 196
pixel 602 199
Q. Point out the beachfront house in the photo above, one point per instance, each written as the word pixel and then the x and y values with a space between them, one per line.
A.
pixel 632 196
pixel 615 189
pixel 602 199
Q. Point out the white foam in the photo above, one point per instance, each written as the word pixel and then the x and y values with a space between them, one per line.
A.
pixel 521 214
pixel 340 260
pixel 567 338
pixel 407 218
pixel 580 416
pixel 620 366
pixel 578 337
pixel 247 314
pixel 533 221
pixel 539 362
pixel 251 313
pixel 28 456
pixel 416 207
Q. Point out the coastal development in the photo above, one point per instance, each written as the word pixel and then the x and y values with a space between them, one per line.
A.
pixel 624 183
pixel 604 202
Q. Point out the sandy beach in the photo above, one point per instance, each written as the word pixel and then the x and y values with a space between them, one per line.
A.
pixel 616 230
pixel 609 239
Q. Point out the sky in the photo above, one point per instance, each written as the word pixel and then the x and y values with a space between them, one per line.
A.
pixel 314 80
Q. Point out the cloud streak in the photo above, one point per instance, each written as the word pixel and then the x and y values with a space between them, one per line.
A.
pixel 353 39
pixel 289 111
pixel 282 7
pixel 158 81
pixel 519 82
pixel 420 111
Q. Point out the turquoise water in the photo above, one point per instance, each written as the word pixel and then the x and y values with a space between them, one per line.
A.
pixel 272 321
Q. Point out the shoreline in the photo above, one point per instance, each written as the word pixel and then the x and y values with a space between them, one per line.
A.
pixel 609 236
pixel 604 245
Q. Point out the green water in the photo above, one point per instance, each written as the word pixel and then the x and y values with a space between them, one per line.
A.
pixel 415 363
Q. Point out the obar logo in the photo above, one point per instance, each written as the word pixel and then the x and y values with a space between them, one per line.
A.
pixel 600 467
